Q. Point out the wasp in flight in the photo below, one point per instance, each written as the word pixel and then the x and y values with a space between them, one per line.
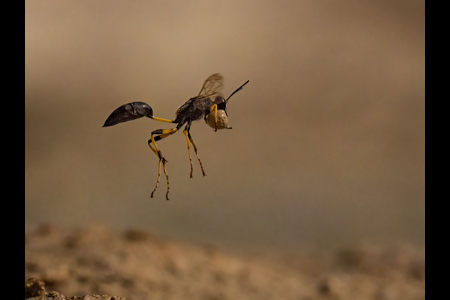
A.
pixel 209 105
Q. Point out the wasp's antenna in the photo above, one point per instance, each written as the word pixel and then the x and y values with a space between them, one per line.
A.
pixel 240 88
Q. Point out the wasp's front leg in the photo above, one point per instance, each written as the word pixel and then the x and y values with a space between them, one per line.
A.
pixel 211 118
pixel 217 118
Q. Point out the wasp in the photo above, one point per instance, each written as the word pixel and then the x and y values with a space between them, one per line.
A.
pixel 209 104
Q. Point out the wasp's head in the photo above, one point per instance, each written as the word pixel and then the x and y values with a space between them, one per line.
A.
pixel 218 119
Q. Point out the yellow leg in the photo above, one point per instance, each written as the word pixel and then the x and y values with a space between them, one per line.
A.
pixel 160 137
pixel 157 181
pixel 214 108
pixel 195 149
pixel 154 150
pixel 186 133
pixel 161 134
pixel 167 178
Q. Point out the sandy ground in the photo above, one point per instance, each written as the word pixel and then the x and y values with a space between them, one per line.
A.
pixel 94 262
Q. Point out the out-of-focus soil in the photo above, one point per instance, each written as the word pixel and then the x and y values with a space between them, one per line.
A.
pixel 94 262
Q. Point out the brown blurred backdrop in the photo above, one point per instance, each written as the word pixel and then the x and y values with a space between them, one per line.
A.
pixel 328 139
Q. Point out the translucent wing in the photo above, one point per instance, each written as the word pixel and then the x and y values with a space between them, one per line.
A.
pixel 212 87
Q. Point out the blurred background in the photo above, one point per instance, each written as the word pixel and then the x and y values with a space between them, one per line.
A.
pixel 328 139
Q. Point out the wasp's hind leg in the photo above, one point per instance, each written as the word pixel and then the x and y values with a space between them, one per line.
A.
pixel 160 134
pixel 189 139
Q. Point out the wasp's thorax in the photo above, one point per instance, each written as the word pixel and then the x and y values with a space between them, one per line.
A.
pixel 192 110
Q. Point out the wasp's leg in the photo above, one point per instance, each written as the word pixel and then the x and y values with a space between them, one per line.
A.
pixel 158 138
pixel 189 150
pixel 214 108
pixel 189 137
pixel 186 133
pixel 161 133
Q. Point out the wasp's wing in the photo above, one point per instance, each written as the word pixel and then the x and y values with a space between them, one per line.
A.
pixel 212 87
